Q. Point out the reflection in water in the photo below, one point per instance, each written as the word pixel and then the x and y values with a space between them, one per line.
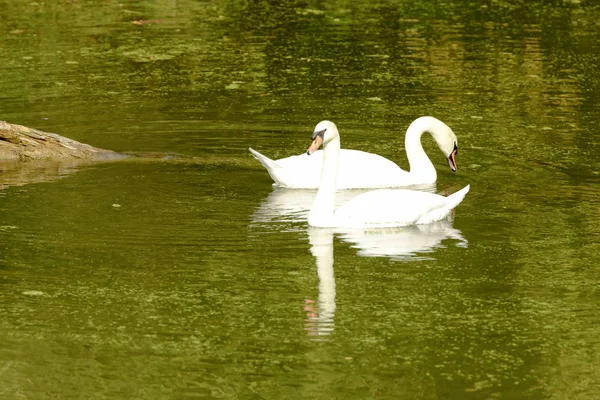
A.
pixel 319 318
pixel 168 297
pixel 404 244
pixel 23 173
pixel 292 205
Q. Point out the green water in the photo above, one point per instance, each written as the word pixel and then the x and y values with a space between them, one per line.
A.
pixel 179 277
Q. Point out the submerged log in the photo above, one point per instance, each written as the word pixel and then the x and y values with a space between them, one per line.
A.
pixel 20 143
pixel 30 155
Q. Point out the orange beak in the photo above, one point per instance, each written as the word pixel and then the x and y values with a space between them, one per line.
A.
pixel 315 145
pixel 452 160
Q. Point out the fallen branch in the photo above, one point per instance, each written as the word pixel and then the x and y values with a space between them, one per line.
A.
pixel 20 143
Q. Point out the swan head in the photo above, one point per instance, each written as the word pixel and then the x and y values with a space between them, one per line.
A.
pixel 445 139
pixel 324 132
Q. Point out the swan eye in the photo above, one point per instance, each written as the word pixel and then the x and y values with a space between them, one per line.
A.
pixel 320 133
pixel 455 148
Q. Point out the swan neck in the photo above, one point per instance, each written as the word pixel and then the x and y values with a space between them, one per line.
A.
pixel 321 213
pixel 420 164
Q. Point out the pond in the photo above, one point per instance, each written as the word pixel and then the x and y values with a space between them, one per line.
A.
pixel 188 275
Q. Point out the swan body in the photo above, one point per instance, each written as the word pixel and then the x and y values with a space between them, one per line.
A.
pixel 362 170
pixel 374 209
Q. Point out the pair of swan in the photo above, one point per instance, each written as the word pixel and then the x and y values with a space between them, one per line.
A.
pixel 362 170
pixel 378 208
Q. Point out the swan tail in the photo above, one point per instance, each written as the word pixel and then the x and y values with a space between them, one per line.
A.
pixel 270 165
pixel 264 160
pixel 455 198
pixel 442 212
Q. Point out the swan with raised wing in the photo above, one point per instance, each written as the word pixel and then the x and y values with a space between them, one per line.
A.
pixel 377 208
pixel 362 170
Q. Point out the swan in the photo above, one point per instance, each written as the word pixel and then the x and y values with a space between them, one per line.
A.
pixel 376 208
pixel 362 170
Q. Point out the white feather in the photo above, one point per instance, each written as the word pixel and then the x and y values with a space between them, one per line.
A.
pixel 375 209
pixel 362 170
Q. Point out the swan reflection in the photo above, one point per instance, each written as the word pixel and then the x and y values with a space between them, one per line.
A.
pixel 407 243
pixel 319 316
pixel 403 243
pixel 293 205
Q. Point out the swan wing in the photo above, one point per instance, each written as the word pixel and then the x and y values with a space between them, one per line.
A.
pixel 396 207
pixel 361 170
pixel 357 170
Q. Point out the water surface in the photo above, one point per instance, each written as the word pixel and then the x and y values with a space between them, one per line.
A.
pixel 189 276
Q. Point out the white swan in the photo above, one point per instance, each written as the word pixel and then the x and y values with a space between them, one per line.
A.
pixel 377 208
pixel 361 170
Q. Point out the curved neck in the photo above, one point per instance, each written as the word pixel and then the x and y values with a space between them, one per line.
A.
pixel 420 164
pixel 321 213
